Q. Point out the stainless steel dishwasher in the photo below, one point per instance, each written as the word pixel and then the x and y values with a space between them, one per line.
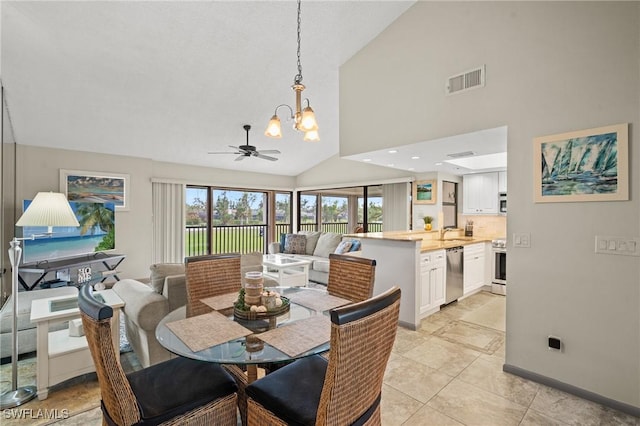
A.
pixel 455 270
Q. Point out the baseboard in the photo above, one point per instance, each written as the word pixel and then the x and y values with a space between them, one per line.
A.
pixel 585 394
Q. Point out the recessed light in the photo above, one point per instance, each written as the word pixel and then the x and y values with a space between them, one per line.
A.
pixel 392 151
pixel 415 157
pixel 366 160
pixel 411 168
pixel 438 164
pixel 390 165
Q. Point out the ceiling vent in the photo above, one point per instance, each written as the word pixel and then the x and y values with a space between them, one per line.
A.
pixel 468 80
pixel 461 154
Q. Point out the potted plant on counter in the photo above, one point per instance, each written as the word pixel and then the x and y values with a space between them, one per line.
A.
pixel 427 222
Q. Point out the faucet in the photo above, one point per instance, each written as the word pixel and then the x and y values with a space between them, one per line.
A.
pixel 443 231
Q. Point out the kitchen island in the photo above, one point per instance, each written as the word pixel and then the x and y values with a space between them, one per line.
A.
pixel 414 261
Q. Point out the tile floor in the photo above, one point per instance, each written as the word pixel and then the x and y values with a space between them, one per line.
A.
pixel 447 373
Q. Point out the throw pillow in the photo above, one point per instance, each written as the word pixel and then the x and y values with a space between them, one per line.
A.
pixel 327 244
pixel 282 238
pixel 343 247
pixel 295 244
pixel 160 271
pixel 312 240
pixel 355 245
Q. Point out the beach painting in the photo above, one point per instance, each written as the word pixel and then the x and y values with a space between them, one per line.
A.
pixel 424 192
pixel 96 187
pixel 587 165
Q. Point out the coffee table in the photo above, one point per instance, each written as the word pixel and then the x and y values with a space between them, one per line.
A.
pixel 288 271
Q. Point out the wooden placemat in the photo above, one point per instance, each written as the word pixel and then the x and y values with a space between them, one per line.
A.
pixel 207 330
pixel 222 301
pixel 300 336
pixel 318 301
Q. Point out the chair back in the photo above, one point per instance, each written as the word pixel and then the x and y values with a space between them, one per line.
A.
pixel 117 396
pixel 208 276
pixel 351 277
pixel 362 336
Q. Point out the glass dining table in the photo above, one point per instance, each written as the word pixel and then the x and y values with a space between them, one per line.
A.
pixel 250 350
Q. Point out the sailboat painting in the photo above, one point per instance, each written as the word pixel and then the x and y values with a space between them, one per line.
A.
pixel 587 165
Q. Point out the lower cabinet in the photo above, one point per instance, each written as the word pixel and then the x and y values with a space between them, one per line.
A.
pixel 474 267
pixel 432 281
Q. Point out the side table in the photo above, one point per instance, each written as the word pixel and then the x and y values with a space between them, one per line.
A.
pixel 60 356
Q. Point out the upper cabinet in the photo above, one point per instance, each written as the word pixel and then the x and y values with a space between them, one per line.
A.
pixel 480 193
pixel 502 181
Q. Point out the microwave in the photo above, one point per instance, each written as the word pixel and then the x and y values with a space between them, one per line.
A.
pixel 502 202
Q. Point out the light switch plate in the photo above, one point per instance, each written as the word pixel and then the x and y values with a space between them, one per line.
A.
pixel 522 240
pixel 624 246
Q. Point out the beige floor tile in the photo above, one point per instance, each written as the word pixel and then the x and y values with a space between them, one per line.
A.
pixel 478 300
pixel 577 411
pixel 396 407
pixel 92 417
pixel 455 311
pixel 472 336
pixel 414 379
pixel 535 418
pixel 433 323
pixel 427 416
pixel 487 374
pixel 492 314
pixel 407 339
pixel 444 356
pixel 471 405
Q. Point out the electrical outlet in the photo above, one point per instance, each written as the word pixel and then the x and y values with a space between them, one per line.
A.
pixel 522 240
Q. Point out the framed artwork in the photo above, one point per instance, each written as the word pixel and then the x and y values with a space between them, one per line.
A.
pixel 586 165
pixel 424 192
pixel 96 187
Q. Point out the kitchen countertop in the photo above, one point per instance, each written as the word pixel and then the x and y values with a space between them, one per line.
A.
pixel 429 242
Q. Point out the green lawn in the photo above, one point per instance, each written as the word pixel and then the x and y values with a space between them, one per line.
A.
pixel 225 240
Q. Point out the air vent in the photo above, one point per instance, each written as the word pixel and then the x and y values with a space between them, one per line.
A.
pixel 468 80
pixel 461 154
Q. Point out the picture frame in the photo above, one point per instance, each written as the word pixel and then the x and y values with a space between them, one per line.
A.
pixel 80 185
pixel 581 166
pixel 425 191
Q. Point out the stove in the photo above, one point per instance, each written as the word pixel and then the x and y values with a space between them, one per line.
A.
pixel 499 267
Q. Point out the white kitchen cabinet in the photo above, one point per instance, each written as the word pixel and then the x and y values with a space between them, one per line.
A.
pixel 502 181
pixel 480 193
pixel 432 281
pixel 474 267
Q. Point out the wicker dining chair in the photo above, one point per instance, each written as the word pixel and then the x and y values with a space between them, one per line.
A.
pixel 351 277
pixel 344 390
pixel 213 275
pixel 175 392
pixel 208 276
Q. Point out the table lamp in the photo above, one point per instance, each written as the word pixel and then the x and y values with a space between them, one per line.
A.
pixel 47 209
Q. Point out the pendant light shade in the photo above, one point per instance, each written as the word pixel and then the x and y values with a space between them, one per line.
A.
pixel 274 130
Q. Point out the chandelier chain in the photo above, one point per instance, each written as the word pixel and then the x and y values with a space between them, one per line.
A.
pixel 298 78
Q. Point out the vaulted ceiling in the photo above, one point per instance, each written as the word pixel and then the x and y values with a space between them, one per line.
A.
pixel 173 80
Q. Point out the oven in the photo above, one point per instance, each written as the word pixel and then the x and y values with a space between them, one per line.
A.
pixel 499 267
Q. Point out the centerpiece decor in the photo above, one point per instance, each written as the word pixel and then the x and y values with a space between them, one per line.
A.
pixel 254 302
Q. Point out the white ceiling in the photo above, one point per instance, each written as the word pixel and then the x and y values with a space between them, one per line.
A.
pixel 171 81
pixel 489 145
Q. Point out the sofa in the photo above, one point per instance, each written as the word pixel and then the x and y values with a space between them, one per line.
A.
pixel 147 301
pixel 27 329
pixel 315 247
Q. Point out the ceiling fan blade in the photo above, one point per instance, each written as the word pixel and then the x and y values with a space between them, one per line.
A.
pixel 266 157
pixel 240 157
pixel 223 152
pixel 270 151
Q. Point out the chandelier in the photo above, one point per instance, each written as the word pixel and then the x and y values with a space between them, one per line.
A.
pixel 304 120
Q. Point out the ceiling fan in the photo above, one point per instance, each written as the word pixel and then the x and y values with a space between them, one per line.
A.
pixel 246 150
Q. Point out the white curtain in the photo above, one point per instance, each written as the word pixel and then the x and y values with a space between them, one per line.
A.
pixel 395 206
pixel 168 222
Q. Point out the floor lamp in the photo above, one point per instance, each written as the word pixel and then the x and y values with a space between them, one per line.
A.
pixel 47 209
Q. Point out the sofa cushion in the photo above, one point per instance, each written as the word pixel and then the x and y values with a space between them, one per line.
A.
pixel 327 244
pixel 312 240
pixel 321 265
pixel 24 306
pixel 160 271
pixel 295 244
pixel 343 247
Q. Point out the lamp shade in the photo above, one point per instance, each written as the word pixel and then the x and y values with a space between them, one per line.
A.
pixel 311 136
pixel 308 120
pixel 48 209
pixel 273 129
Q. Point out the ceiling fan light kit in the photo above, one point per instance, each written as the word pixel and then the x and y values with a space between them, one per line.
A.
pixel 304 120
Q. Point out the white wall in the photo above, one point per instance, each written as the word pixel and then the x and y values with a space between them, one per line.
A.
pixel 551 67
